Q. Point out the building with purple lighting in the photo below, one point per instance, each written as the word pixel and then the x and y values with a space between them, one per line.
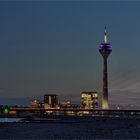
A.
pixel 105 50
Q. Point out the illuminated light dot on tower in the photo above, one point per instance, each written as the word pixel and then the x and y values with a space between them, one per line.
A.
pixel 105 49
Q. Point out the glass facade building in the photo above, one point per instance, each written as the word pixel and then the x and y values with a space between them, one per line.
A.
pixel 89 100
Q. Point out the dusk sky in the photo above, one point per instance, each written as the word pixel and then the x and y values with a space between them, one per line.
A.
pixel 52 47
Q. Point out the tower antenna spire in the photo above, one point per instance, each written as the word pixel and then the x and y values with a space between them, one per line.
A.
pixel 105 36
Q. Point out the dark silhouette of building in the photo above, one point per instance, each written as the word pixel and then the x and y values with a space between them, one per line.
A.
pixel 105 50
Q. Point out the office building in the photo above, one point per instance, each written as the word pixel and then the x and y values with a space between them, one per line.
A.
pixel 50 100
pixel 89 100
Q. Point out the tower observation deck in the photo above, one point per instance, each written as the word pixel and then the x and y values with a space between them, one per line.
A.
pixel 105 49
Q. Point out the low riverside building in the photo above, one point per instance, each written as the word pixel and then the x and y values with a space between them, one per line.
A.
pixel 36 103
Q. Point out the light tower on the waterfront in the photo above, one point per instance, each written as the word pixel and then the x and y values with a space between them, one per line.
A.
pixel 105 50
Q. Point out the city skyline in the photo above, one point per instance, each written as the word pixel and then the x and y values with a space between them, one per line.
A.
pixel 52 47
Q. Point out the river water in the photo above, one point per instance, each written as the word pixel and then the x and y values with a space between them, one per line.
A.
pixel 10 119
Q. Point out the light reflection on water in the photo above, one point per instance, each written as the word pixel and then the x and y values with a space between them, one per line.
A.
pixel 10 119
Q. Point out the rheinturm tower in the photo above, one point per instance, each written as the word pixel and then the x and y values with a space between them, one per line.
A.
pixel 105 50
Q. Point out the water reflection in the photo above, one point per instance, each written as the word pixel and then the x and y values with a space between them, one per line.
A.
pixel 10 119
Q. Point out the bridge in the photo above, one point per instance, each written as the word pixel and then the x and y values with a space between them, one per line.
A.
pixel 73 109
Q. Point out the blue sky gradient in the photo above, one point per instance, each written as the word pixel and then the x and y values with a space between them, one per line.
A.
pixel 52 47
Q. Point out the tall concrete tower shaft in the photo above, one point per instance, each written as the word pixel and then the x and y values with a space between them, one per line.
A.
pixel 105 50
